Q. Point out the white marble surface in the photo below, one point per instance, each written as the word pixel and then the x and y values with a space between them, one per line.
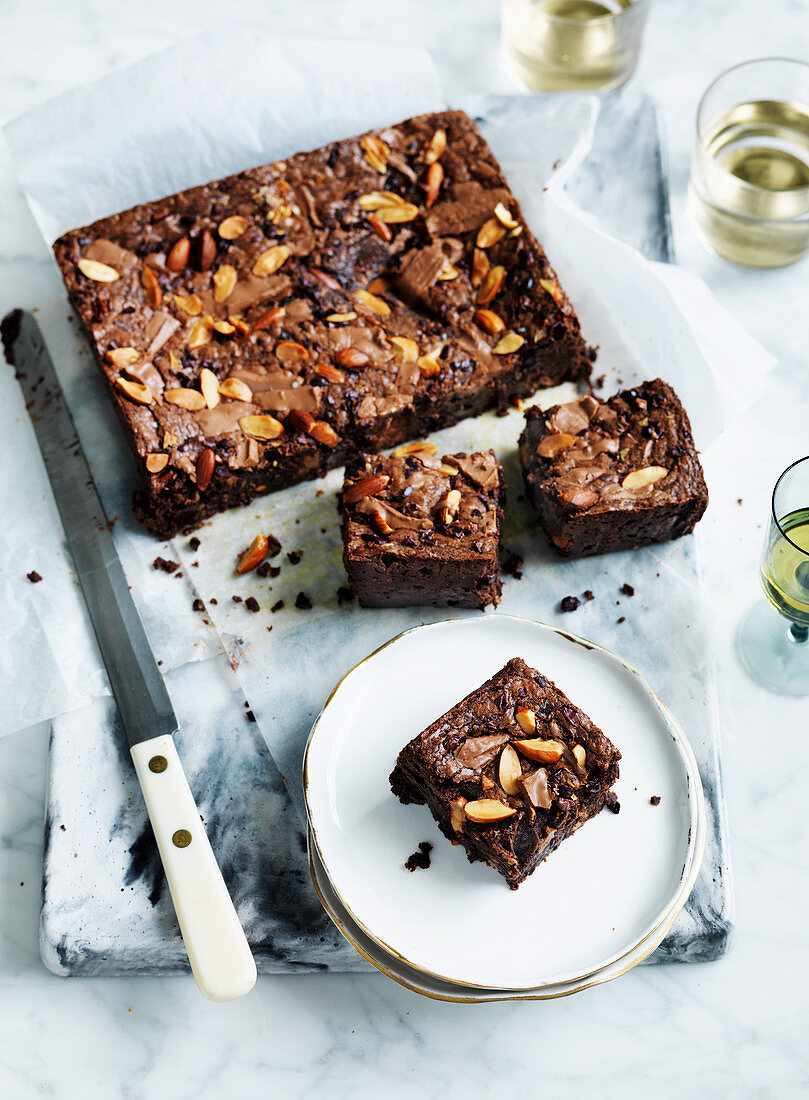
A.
pixel 732 1028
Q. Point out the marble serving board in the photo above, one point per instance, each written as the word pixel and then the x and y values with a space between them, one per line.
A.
pixel 106 909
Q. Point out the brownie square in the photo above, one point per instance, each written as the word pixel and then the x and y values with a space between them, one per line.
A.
pixel 510 771
pixel 419 530
pixel 262 329
pixel 613 475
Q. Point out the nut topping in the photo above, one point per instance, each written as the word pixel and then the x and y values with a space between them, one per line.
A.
pixel 201 332
pixel 491 284
pixel 435 146
pixel 123 357
pixel 288 351
pixel 420 447
pixel 338 318
pixel 325 278
pixel 503 215
pixel 137 391
pixel 376 200
pixel 379 523
pixel 185 398
pixel 395 214
pixel 647 475
pixel 449 507
pixel 526 719
pixel 539 751
pixel 580 755
pixel 579 499
pixel 236 389
pixel 261 427
pixel 225 328
pixel 376 305
pixel 205 467
pixel 555 291
pixel 207 250
pixel 300 420
pixel 435 177
pixel 489 321
pixel 209 384
pixel 254 555
pixel 271 260
pixel 375 152
pixel 330 373
pixel 365 487
pixel 509 770
pixel 407 349
pixel 351 357
pixel 324 433
pixel 269 318
pixel 487 811
pixel 509 343
pixel 224 280
pixel 156 462
pixel 429 365
pixel 379 227
pixel 151 287
pixel 98 272
pixel 233 227
pixel 177 258
pixel 457 817
pixel 447 273
pixel 191 304
pixel 489 233
pixel 552 445
pixel 480 266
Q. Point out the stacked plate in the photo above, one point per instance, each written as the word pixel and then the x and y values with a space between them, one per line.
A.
pixel 454 931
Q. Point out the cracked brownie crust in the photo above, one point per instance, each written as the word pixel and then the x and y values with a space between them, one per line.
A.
pixel 262 329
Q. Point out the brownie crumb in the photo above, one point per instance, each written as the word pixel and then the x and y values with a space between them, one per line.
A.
pixel 739 501
pixel 263 570
pixel 621 620
pixel 627 590
pixel 277 605
pixel 213 600
pixel 570 603
pixel 302 602
pixel 193 544
pixel 655 800
pixel 252 604
pixel 513 565
pixel 198 605
pixel 344 595
pixel 598 384
pixel 611 802
pixel 63 828
pixel 588 595
pixel 165 566
pixel 33 577
pixel 421 858
pixel 236 599
pixel 273 546
pixel 250 716
pixel 294 556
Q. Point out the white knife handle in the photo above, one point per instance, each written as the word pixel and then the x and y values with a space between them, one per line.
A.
pixel 220 956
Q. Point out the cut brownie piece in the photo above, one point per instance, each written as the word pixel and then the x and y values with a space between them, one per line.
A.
pixel 613 475
pixel 510 772
pixel 420 530
pixel 260 330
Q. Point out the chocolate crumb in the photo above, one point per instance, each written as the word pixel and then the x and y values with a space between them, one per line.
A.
pixel 621 620
pixel 569 603
pixel 344 595
pixel 611 802
pixel 421 858
pixel 236 599
pixel 213 600
pixel 273 546
pixel 33 577
pixel 198 605
pixel 250 716
pixel 193 544
pixel 165 565
pixel 294 556
pixel 588 595
pixel 513 565
pixel 655 800
pixel 63 828
pixel 627 590
pixel 739 501
pixel 252 604
pixel 598 384
pixel 302 602
pixel 263 570
pixel 277 605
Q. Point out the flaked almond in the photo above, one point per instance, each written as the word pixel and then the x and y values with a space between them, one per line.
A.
pixel 526 719
pixel 324 433
pixel 123 357
pixel 489 233
pixel 580 755
pixel 647 475
pixel 490 285
pixel 137 391
pixel 224 328
pixel 206 461
pixel 509 770
pixel 511 342
pixel 449 506
pixel 480 266
pixel 201 333
pixel 488 811
pixel 365 487
pixel 233 227
pixel 539 751
pixel 420 447
pixel 447 273
pixel 447 470
pixel 325 278
pixel 185 398
pixel 300 420
pixel 486 783
pixel 376 200
pixel 98 272
pixel 435 146
pixel 379 523
pixel 289 351
pixel 177 259
pixel 552 445
pixel 261 427
pixel 239 323
pixel 351 357
pixel 271 260
pixel 224 280
pixel 405 348
pixel 503 215
pixel 579 498
pixel 156 462
pixel 236 390
pixel 375 152
pixel 190 304
pixel 430 365
pixel 395 214
pixel 269 318
pixel 151 287
pixel 490 321
pixel 371 301
pixel 339 318
pixel 254 555
pixel 330 373
pixel 552 288
pixel 435 177
pixel 457 817
pixel 209 384
pixel 379 227
pixel 206 250
pixel 378 285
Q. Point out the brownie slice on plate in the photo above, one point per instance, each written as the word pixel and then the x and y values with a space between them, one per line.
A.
pixel 510 771
pixel 616 474
pixel 419 530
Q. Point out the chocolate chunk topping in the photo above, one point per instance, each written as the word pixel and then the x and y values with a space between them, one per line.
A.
pixel 476 752
pixel 535 785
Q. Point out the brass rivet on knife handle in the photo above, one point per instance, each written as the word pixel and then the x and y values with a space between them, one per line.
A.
pixel 158 764
pixel 181 839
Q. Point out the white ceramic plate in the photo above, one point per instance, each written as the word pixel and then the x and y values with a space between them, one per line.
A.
pixel 592 903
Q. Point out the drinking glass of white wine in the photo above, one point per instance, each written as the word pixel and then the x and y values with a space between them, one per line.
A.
pixel 775 653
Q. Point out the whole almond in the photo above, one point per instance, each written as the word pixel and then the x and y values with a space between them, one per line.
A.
pixel 376 200
pixel 435 177
pixel 488 811
pixel 224 280
pixel 379 227
pixel 205 467
pixel 457 817
pixel 539 751
pixel 209 384
pixel 206 250
pixel 254 555
pixel 490 285
pixel 526 719
pixel 365 487
pixel 396 214
pixel 647 475
pixel 324 433
pixel 288 351
pixel 236 390
pixel 489 233
pixel 269 318
pixel 151 287
pixel 271 260
pixel 233 227
pixel 325 278
pixel 552 445
pixel 300 420
pixel 579 498
pixel 330 373
pixel 261 427
pixel 136 391
pixel 177 259
pixel 489 321
pixel 420 447
pixel 185 398
pixel 156 462
pixel 98 272
pixel 341 318
pixel 509 770
pixel 352 357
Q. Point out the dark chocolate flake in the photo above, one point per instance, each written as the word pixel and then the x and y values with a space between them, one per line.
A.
pixel 33 577
pixel 569 603
pixel 252 604
pixel 302 602
pixel 421 858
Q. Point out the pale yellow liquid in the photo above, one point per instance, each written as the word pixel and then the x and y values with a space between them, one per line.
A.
pixel 785 568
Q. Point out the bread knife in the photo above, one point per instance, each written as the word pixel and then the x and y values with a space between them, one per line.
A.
pixel 217 947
